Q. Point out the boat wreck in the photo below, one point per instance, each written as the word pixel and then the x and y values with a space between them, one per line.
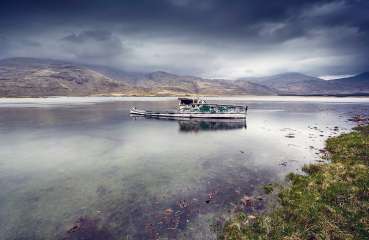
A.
pixel 196 108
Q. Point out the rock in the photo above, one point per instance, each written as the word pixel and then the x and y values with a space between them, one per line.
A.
pixel 290 135
pixel 211 195
pixel 168 211
pixel 283 164
pixel 246 201
pixel 182 204
pixel 251 217
pixel 86 228
pixel 259 198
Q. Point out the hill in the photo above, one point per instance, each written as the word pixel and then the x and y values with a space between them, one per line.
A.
pixel 32 77
pixel 21 77
pixel 300 84
pixel 36 77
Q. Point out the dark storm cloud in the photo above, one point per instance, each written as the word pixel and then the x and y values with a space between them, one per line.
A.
pixel 208 37
pixel 93 44
pixel 97 35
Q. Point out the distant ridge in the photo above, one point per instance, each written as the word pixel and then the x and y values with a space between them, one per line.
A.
pixel 362 78
pixel 299 84
pixel 34 77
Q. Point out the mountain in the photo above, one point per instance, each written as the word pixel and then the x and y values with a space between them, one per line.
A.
pixel 290 83
pixel 166 83
pixel 300 84
pixel 39 77
pixel 360 81
pixel 32 77
pixel 283 78
pixel 20 77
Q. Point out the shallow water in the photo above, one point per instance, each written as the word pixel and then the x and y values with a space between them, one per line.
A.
pixel 82 168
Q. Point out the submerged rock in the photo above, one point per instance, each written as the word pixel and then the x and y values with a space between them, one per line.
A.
pixel 87 228
pixel 246 201
pixel 290 135
pixel 168 211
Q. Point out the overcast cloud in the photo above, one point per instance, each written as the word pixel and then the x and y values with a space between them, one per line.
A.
pixel 210 38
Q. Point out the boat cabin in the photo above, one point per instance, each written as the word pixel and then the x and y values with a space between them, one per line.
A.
pixel 190 101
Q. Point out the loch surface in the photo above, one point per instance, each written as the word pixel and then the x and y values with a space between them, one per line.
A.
pixel 82 168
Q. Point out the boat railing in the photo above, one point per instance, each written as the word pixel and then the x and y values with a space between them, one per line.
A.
pixel 217 105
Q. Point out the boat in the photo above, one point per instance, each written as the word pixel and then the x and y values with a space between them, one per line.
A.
pixel 196 108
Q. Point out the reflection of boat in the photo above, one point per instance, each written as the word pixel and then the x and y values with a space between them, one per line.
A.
pixel 195 125
pixel 203 124
pixel 197 108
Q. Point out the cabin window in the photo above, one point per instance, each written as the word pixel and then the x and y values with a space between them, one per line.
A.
pixel 186 101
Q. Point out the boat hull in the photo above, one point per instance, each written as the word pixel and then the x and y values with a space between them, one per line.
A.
pixel 138 112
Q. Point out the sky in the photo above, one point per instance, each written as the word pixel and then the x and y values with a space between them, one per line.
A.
pixel 209 38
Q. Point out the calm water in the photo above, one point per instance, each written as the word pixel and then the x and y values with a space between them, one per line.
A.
pixel 82 168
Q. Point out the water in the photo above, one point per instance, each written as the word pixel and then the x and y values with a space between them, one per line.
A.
pixel 82 168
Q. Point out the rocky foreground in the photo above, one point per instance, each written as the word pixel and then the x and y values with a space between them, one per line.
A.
pixel 330 202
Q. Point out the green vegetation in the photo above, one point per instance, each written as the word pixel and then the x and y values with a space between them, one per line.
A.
pixel 268 188
pixel 330 202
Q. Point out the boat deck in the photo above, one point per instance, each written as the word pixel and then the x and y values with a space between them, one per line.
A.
pixel 178 114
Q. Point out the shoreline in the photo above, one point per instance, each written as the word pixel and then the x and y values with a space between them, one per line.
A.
pixel 333 99
pixel 194 95
pixel 330 201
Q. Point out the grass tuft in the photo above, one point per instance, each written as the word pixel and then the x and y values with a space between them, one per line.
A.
pixel 330 202
pixel 268 188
